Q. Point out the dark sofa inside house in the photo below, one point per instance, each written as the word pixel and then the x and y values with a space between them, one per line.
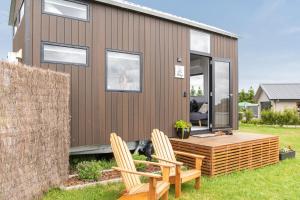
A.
pixel 198 112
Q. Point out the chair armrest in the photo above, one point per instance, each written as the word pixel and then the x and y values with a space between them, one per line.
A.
pixel 169 161
pixel 152 163
pixel 191 155
pixel 150 175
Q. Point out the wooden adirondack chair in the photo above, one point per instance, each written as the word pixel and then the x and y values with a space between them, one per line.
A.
pixel 165 154
pixel 157 187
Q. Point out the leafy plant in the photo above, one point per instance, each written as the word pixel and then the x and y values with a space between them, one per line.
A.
pixel 183 125
pixel 89 170
pixel 286 149
pixel 140 166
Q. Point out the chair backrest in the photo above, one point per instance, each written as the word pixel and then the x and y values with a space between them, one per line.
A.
pixel 162 147
pixel 124 160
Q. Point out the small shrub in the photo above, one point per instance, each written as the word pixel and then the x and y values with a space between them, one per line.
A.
pixel 248 115
pixel 254 121
pixel 268 117
pixel 89 170
pixel 140 166
pixel 75 160
pixel 291 117
pixel 107 164
pixel 241 116
pixel 287 117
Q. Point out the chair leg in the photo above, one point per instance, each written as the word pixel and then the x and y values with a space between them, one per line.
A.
pixel 165 196
pixel 177 181
pixel 177 188
pixel 152 189
pixel 197 183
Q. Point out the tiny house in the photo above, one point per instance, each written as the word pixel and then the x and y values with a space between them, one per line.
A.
pixel 132 68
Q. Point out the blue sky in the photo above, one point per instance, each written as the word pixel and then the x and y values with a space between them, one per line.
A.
pixel 269 30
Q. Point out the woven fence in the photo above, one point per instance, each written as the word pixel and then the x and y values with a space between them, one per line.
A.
pixel 34 131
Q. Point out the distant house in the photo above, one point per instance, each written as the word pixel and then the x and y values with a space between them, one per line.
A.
pixel 278 96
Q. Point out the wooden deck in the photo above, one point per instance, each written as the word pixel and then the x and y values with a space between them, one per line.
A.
pixel 229 153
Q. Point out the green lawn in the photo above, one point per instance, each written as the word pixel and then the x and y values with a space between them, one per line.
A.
pixel 280 181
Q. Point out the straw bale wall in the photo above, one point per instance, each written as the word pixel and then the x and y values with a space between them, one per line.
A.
pixel 34 131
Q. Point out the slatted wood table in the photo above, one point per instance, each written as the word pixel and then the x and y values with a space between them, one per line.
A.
pixel 228 153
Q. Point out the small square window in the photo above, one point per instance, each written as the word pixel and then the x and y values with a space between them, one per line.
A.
pixel 200 41
pixel 53 53
pixel 66 8
pixel 123 71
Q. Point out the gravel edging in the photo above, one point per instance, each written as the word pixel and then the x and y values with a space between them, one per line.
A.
pixel 76 187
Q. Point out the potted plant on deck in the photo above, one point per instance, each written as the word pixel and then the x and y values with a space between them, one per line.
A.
pixel 183 129
pixel 286 153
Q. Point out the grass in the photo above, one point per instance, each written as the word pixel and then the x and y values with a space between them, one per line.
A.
pixel 280 181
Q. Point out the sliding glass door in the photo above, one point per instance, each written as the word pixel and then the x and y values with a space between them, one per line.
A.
pixel 221 95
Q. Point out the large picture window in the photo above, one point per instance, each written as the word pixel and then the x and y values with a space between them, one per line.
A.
pixel 66 8
pixel 123 71
pixel 200 41
pixel 54 53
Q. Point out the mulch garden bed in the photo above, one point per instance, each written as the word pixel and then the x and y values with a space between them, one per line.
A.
pixel 106 175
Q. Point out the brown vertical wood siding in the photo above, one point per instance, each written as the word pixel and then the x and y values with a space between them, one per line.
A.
pixel 96 112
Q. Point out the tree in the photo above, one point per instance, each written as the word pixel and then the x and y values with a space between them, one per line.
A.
pixel 242 96
pixel 199 93
pixel 247 96
pixel 193 91
pixel 251 94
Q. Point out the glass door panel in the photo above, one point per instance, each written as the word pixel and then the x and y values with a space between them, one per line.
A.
pixel 221 95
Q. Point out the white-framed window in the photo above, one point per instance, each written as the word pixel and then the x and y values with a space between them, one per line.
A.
pixel 123 71
pixel 66 8
pixel 56 53
pixel 199 41
pixel 21 12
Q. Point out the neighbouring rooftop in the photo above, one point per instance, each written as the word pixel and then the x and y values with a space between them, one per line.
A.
pixel 281 91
